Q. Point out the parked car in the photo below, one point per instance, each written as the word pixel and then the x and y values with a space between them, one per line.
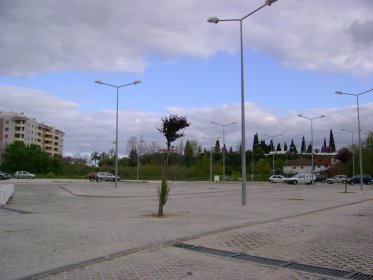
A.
pixel 300 178
pixel 367 179
pixel 276 179
pixel 92 176
pixel 106 176
pixel 4 176
pixel 321 179
pixel 337 179
pixel 24 175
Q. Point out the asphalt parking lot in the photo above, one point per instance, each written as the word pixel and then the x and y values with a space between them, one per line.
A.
pixel 76 229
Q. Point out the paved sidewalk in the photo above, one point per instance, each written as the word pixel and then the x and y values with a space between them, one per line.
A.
pixel 81 230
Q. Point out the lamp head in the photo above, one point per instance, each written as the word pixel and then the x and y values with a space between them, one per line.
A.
pixel 135 82
pixel 98 82
pixel 322 116
pixel 270 2
pixel 338 92
pixel 213 20
pixel 300 115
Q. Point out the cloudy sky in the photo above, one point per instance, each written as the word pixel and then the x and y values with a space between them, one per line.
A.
pixel 296 55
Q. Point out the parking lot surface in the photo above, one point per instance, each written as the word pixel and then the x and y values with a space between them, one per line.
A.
pixel 76 229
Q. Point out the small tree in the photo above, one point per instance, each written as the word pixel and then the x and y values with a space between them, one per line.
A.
pixel 344 156
pixel 170 129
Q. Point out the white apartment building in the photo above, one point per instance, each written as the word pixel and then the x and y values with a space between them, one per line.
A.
pixel 18 127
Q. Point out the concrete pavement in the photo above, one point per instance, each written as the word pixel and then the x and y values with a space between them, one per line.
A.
pixel 74 229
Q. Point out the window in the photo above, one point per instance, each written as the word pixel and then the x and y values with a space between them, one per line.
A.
pixel 6 136
pixel 7 129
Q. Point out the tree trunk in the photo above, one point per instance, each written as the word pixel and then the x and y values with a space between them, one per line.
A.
pixel 163 190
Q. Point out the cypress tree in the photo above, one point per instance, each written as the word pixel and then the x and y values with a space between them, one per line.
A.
pixel 309 149
pixel 331 141
pixel 293 148
pixel 255 141
pixel 303 147
pixel 285 147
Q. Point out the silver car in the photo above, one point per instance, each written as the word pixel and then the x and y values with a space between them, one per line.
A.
pixel 276 179
pixel 337 179
pixel 106 176
pixel 24 175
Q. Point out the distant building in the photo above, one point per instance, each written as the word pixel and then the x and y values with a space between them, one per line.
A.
pixel 321 165
pixel 18 127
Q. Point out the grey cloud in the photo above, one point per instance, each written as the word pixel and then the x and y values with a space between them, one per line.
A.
pixel 46 36
pixel 362 32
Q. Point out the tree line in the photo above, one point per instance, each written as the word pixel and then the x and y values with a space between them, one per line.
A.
pixel 187 161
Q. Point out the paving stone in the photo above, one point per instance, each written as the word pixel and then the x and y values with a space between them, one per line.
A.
pixel 74 225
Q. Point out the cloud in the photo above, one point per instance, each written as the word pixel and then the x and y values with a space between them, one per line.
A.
pixel 50 36
pixel 86 132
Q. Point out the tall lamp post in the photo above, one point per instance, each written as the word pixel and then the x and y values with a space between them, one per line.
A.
pixel 243 151
pixel 116 123
pixel 211 139
pixel 352 145
pixel 273 151
pixel 311 119
pixel 358 128
pixel 223 126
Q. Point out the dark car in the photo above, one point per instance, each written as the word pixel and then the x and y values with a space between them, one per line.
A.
pixel 92 176
pixel 367 179
pixel 320 179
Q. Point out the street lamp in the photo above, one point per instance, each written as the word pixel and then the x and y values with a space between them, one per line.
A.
pixel 211 139
pixel 116 123
pixel 353 154
pixel 311 119
pixel 223 125
pixel 243 151
pixel 273 151
pixel 358 128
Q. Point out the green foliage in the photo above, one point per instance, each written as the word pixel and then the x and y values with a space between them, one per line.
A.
pixel 18 156
pixel 188 153
pixel 264 169
pixel 217 149
pixel 132 157
pixel 171 126
pixel 163 191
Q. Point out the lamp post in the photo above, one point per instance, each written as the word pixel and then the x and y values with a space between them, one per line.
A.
pixel 211 139
pixel 311 119
pixel 353 154
pixel 116 123
pixel 273 151
pixel 243 151
pixel 223 126
pixel 358 128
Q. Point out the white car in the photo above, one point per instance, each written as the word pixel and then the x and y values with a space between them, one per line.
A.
pixel 24 175
pixel 300 179
pixel 276 179
pixel 337 179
